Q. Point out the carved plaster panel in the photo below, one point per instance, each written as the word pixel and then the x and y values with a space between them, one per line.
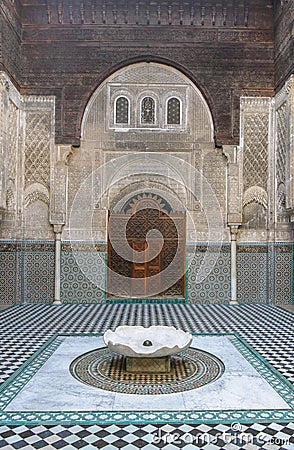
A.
pixel 257 144
pixel 284 106
pixel 134 83
pixel 234 184
pixel 39 138
pixel 10 147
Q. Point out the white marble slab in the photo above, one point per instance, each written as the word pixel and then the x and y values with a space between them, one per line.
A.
pixel 53 388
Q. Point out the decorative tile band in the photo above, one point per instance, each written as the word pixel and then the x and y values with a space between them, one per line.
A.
pixel 145 301
pixel 83 247
pixel 208 247
pixel 264 273
pixel 29 246
pixel 191 369
pixel 17 382
pixel 248 248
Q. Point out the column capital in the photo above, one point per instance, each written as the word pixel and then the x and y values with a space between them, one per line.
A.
pixel 64 152
pixel 230 151
pixel 57 228
pixel 234 231
pixel 57 219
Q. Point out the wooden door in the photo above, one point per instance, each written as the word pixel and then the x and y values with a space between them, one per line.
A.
pixel 147 276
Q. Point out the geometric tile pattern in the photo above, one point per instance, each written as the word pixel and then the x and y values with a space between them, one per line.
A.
pixel 76 287
pixel 129 384
pixel 215 288
pixel 264 274
pixel 38 279
pixel 252 277
pixel 8 269
pixel 100 368
pixel 27 272
pixel 271 274
pixel 283 272
pixel 270 436
pixel 268 329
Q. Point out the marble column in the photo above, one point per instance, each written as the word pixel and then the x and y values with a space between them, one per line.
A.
pixel 233 233
pixel 57 231
pixel 58 206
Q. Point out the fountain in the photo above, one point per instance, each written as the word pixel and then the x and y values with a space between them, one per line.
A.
pixel 151 360
pixel 147 350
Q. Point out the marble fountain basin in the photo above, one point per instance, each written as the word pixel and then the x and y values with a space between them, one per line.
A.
pixel 141 342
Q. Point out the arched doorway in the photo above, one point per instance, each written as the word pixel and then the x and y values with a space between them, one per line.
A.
pixel 148 130
pixel 148 261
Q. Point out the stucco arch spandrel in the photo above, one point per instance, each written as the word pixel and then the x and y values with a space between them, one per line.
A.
pixel 197 117
pixel 153 187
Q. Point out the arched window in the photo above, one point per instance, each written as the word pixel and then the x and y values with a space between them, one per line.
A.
pixel 148 110
pixel 173 111
pixel 122 110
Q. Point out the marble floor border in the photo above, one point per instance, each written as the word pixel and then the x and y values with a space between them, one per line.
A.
pixel 18 380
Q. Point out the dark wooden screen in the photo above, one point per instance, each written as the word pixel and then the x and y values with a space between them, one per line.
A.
pixel 133 276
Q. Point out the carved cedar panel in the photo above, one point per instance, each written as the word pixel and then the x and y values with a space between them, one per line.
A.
pixel 136 12
pixel 137 273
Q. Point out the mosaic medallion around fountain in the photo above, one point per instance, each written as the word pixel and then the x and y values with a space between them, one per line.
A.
pixel 190 369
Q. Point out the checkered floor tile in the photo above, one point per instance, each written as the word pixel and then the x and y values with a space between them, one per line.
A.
pixel 271 436
pixel 268 329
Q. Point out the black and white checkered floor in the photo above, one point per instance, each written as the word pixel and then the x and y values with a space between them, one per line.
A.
pixel 268 329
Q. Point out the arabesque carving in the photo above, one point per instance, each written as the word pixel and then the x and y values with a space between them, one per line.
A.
pixel 37 147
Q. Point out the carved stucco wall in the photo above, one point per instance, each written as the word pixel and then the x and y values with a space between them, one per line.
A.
pixel 27 148
pixel 10 143
pixel 38 153
pixel 137 81
pixel 284 107
pixel 267 162
pixel 40 180
pixel 191 140
pixel 257 145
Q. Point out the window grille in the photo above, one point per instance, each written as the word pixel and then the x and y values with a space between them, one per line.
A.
pixel 148 110
pixel 173 111
pixel 122 110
